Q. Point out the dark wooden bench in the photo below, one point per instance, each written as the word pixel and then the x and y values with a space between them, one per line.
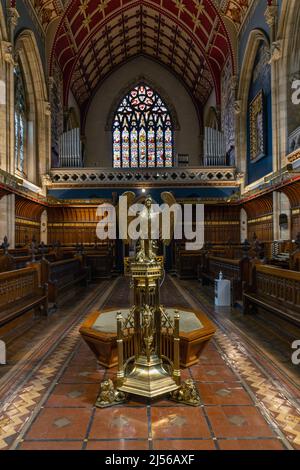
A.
pixel 20 293
pixel 186 263
pixel 275 290
pixel 63 275
pixel 100 263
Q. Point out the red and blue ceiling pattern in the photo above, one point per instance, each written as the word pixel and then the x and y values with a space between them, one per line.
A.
pixel 96 36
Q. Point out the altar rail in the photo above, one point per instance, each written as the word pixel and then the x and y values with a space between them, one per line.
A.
pixel 149 176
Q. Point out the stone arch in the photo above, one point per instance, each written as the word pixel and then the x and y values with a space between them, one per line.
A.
pixel 254 40
pixel 38 150
pixel 212 119
pixel 288 40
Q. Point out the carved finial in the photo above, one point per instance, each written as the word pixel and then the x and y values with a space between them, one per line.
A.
pixel 32 250
pixel 5 245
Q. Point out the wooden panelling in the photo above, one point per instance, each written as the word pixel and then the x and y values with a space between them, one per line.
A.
pixel 222 223
pixel 260 218
pixel 71 225
pixel 295 223
pixel 28 217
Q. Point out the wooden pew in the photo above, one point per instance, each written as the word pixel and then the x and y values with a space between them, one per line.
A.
pixel 62 276
pixel 294 261
pixel 275 290
pixel 20 293
pixel 100 263
pixel 186 263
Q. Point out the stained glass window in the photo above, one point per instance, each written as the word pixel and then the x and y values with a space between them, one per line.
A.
pixel 20 121
pixel 142 131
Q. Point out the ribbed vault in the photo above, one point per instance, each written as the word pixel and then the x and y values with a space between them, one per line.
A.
pixel 96 36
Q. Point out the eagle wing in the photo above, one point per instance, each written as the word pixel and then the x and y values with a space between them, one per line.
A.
pixel 169 199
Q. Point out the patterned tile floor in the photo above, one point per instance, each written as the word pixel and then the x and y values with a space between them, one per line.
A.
pixel 244 404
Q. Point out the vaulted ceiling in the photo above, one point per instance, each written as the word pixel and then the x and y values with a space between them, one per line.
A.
pixel 94 37
pixel 49 10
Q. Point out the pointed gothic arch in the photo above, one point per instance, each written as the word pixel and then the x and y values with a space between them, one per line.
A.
pixel 38 131
pixel 255 38
pixel 142 129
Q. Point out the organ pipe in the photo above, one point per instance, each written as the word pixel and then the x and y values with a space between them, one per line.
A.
pixel 214 148
pixel 70 149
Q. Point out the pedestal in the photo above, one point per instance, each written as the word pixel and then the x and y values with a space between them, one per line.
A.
pixel 99 331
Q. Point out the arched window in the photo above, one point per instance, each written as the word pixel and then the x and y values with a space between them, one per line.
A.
pixel 142 131
pixel 20 121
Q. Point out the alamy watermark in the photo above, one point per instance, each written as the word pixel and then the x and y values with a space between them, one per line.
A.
pixel 296 92
pixel 151 221
pixel 296 353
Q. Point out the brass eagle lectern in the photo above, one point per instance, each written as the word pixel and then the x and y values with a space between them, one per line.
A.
pixel 148 339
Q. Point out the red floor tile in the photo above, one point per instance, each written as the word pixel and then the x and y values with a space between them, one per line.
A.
pixel 184 445
pixel 178 422
pixel 51 445
pixel 211 357
pixel 238 421
pixel 118 445
pixel 213 373
pixel 82 375
pixel 60 423
pixel 227 393
pixel 77 395
pixel 120 422
pixel 256 444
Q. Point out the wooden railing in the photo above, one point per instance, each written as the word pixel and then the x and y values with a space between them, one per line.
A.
pixel 276 290
pixel 19 293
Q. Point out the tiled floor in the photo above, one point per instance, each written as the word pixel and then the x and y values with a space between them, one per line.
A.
pixel 227 417
pixel 241 408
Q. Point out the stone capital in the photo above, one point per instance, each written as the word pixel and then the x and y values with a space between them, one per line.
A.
pixel 7 52
pixel 47 107
pixel 46 180
pixel 276 51
pixel 13 17
pixel 238 107
pixel 271 15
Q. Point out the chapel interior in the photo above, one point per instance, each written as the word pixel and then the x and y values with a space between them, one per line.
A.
pixel 195 101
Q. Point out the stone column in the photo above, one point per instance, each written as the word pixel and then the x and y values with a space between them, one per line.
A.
pixel 7 219
pixel 276 213
pixel 271 16
pixel 12 20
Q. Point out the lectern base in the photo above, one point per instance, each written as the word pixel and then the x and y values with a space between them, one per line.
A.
pixel 148 379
